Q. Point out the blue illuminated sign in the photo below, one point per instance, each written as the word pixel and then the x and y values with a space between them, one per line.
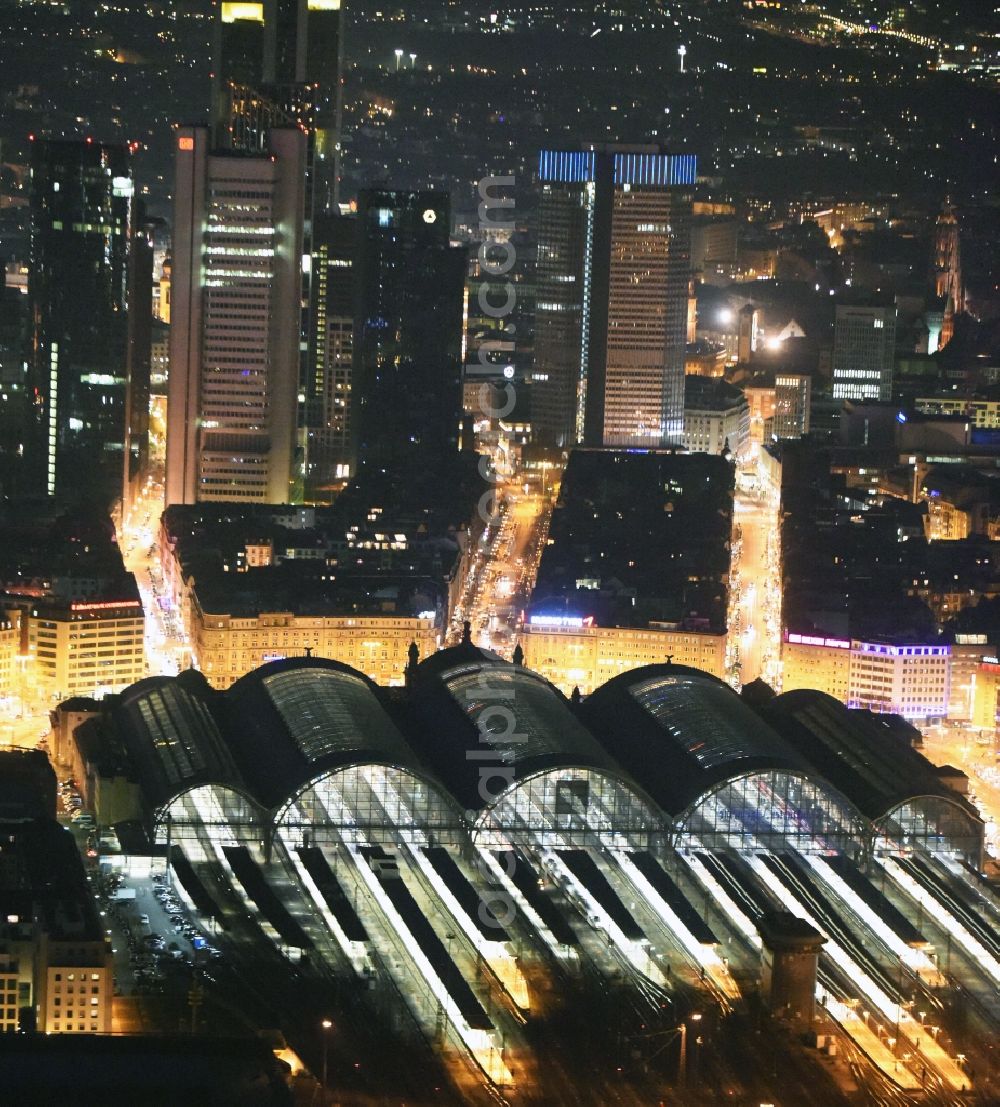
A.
pixel 579 167
pixel 656 169
pixel 566 166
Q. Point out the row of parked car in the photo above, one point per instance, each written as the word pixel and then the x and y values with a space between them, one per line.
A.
pixel 72 803
pixel 182 925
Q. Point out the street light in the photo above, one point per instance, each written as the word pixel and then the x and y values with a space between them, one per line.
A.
pixel 327 1026
pixel 399 57
pixel 682 1067
pixel 413 61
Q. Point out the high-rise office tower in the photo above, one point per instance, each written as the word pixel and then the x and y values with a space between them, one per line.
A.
pixel 278 63
pixel 328 410
pixel 409 290
pixel 234 342
pixel 614 228
pixel 82 225
pixel 864 351
pixel 238 51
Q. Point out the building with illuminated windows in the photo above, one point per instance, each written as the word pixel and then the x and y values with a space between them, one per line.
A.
pixel 864 352
pixel 328 392
pixel 10 639
pixel 56 968
pixel 235 320
pixel 86 647
pixel 912 680
pixel 575 653
pixel 80 297
pixel 614 261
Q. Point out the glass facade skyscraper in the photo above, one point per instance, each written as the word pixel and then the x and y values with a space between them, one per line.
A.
pixel 82 222
pixel 612 289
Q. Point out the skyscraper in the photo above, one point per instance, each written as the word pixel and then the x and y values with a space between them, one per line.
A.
pixel 238 51
pixel 864 351
pixel 612 291
pixel 278 63
pixel 409 290
pixel 235 292
pixel 328 395
pixel 82 223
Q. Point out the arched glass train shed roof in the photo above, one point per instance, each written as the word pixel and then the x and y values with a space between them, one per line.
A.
pixel 294 720
pixel 474 709
pixel 173 737
pixel 683 733
pixel 877 769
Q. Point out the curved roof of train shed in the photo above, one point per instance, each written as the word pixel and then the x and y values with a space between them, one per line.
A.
pixel 682 733
pixel 473 710
pixel 171 732
pixel 298 719
pixel 877 769
pixel 276 730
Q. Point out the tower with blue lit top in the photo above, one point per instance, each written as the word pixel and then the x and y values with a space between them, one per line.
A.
pixel 614 260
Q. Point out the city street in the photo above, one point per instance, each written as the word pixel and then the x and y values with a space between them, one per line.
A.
pixel 167 650
pixel 958 746
pixel 501 582
pixel 755 603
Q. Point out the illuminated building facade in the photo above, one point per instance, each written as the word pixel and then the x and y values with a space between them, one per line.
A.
pixel 979 412
pixel 716 418
pixel 9 641
pixel 614 259
pixel 947 271
pixel 864 351
pixel 792 396
pixel 86 647
pixel 228 646
pixel 985 704
pixel 56 963
pixel 909 680
pixel 82 223
pixel 278 63
pixel 813 661
pixel 236 291
pixel 574 653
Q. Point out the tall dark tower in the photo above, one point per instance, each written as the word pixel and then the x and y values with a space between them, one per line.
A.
pixel 409 288
pixel 278 63
pixel 82 222
pixel 239 60
pixel 328 421
pixel 614 261
pixel 138 361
